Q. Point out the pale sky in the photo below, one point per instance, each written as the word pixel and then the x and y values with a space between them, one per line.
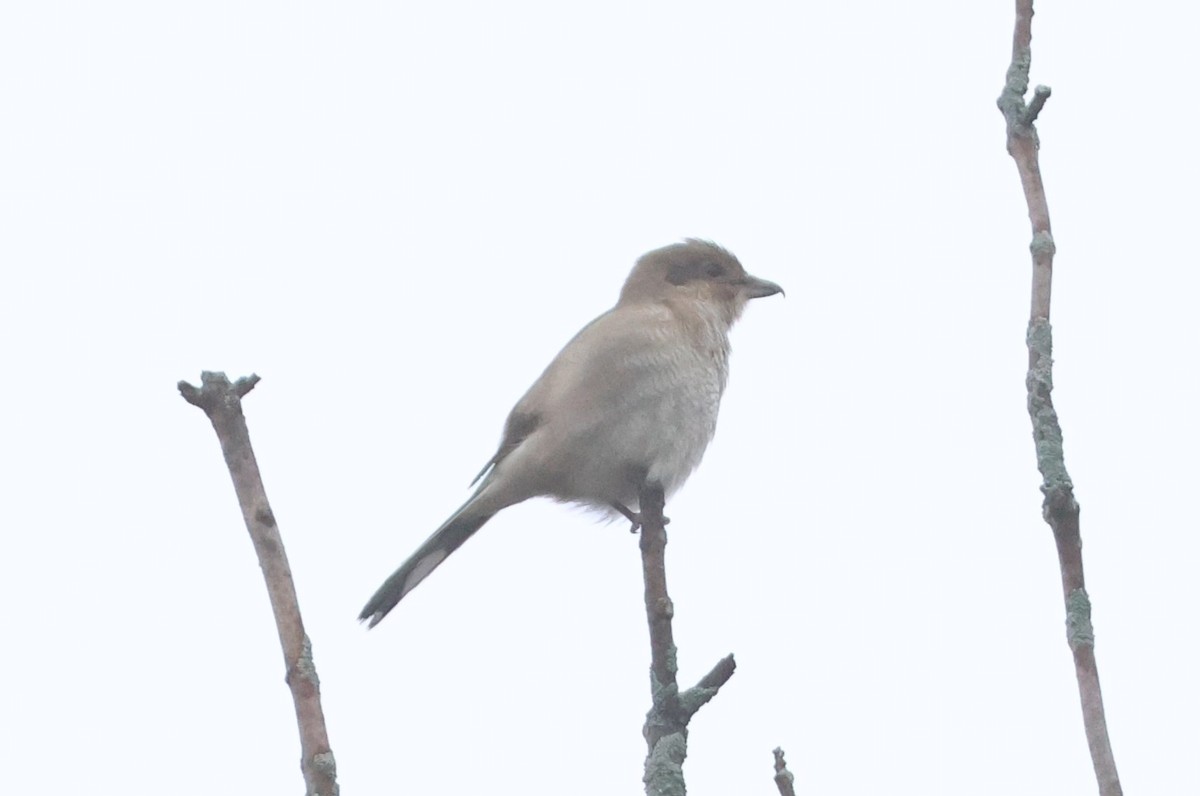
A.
pixel 396 214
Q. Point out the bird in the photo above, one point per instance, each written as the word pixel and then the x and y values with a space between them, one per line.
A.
pixel 630 401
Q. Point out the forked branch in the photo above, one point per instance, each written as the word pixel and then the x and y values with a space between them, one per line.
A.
pixel 666 725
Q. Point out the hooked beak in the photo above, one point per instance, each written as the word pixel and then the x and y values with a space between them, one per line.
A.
pixel 760 288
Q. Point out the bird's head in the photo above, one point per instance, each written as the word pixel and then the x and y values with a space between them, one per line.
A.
pixel 695 271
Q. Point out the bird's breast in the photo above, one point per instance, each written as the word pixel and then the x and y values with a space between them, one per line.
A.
pixel 632 398
pixel 648 415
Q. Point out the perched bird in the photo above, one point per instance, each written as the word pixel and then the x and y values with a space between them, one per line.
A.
pixel 631 400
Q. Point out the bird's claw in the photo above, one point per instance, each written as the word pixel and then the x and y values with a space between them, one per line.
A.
pixel 635 517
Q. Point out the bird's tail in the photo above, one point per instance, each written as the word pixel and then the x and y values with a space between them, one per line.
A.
pixel 444 541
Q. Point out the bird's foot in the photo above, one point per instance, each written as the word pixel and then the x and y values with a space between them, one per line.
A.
pixel 634 517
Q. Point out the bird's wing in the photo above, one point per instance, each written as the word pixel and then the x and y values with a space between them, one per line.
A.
pixel 597 360
pixel 518 426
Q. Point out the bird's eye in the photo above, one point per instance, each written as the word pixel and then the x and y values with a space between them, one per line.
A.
pixel 680 273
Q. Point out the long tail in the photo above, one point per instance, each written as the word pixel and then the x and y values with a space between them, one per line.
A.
pixel 444 541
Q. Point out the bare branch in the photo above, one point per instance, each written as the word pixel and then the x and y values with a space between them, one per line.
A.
pixel 221 401
pixel 783 778
pixel 666 722
pixel 1059 507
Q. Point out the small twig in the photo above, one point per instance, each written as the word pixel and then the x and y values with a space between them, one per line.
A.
pixel 1040 95
pixel 1059 507
pixel 221 401
pixel 783 778
pixel 670 711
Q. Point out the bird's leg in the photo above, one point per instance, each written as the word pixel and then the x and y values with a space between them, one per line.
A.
pixel 634 517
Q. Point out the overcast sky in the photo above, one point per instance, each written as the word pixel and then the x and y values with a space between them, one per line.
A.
pixel 396 213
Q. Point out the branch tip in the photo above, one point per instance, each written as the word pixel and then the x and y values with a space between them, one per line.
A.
pixel 1040 95
pixel 245 384
pixel 702 692
pixel 190 392
pixel 216 388
pixel 719 675
pixel 783 778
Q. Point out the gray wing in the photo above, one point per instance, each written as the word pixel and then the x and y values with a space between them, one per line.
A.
pixel 518 426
